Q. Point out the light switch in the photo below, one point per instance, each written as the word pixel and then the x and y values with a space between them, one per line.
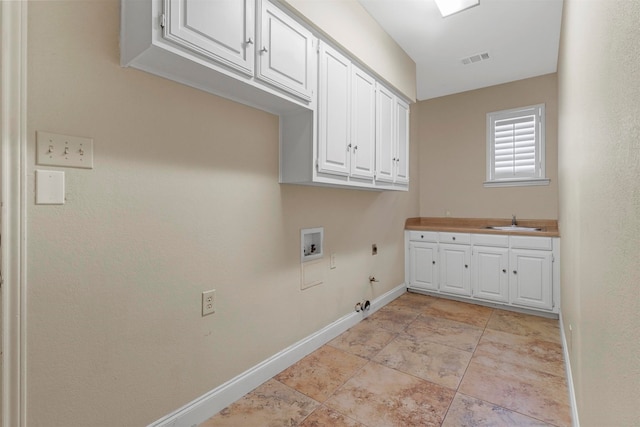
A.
pixel 49 187
pixel 64 150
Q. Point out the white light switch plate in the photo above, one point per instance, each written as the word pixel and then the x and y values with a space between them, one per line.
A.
pixel 64 150
pixel 49 187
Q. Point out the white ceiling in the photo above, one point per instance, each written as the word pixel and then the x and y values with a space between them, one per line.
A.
pixel 521 37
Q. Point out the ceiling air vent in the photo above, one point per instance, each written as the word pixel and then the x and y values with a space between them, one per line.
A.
pixel 475 58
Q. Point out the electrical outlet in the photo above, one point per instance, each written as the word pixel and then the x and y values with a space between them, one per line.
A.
pixel 208 302
pixel 374 249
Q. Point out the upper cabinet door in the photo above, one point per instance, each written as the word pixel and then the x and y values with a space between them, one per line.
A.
pixel 385 135
pixel 402 147
pixel 222 30
pixel 363 123
pixel 333 112
pixel 285 52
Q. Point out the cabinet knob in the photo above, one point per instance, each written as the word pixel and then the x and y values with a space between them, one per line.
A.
pixel 250 41
pixel 515 272
pixel 466 266
pixel 504 270
pixel 264 49
pixel 355 147
pixel 433 262
pixel 422 236
pixel 454 238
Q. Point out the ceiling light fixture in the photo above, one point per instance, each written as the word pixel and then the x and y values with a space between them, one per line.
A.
pixel 449 7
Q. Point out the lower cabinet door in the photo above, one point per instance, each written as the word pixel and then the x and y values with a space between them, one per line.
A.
pixel 455 277
pixel 423 265
pixel 531 278
pixel 491 273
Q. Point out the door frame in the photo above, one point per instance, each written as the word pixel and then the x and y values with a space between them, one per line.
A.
pixel 13 137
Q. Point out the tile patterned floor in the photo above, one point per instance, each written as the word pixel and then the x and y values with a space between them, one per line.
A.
pixel 420 361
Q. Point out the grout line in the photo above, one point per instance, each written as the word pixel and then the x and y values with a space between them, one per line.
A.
pixel 468 364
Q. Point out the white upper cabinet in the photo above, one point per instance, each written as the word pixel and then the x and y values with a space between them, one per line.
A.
pixel 363 123
pixel 385 135
pixel 285 52
pixel 357 132
pixel 250 51
pixel 392 138
pixel 261 54
pixel 334 110
pixel 402 142
pixel 221 30
pixel 346 117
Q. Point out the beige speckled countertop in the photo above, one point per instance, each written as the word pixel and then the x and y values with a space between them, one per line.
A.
pixel 549 227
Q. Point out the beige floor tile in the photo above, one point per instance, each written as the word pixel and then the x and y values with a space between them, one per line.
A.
pixel 319 374
pixel 394 319
pixel 447 332
pixel 412 302
pixel 527 391
pixel 476 315
pixel 525 325
pixel 365 340
pixel 470 412
pixel 271 404
pixel 440 364
pixel 325 417
pixel 380 396
pixel 528 351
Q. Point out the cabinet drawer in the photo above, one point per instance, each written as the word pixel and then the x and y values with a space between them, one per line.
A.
pixel 490 240
pixel 423 236
pixel 528 242
pixel 462 238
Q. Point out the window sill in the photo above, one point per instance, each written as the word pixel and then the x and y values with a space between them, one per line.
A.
pixel 517 182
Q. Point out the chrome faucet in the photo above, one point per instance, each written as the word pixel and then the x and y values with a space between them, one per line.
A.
pixel 513 220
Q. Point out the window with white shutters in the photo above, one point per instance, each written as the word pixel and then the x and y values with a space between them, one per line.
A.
pixel 515 147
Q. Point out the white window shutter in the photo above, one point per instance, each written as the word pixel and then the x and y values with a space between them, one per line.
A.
pixel 515 141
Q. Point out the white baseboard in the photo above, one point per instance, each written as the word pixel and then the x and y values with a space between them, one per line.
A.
pixel 567 367
pixel 219 398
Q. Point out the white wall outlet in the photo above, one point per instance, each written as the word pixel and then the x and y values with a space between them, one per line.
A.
pixel 208 302
pixel 64 150
pixel 332 261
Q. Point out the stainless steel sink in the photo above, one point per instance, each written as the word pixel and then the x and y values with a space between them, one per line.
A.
pixel 514 228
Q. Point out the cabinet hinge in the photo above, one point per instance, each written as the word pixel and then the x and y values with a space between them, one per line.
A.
pixel 317 165
pixel 553 258
pixel 163 20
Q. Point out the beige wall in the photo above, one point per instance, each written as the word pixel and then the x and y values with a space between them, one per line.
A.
pixel 599 163
pixel 351 26
pixel 452 144
pixel 184 197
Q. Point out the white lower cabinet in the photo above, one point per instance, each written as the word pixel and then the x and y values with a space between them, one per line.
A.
pixel 531 278
pixel 516 271
pixel 423 273
pixel 454 269
pixel 491 273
